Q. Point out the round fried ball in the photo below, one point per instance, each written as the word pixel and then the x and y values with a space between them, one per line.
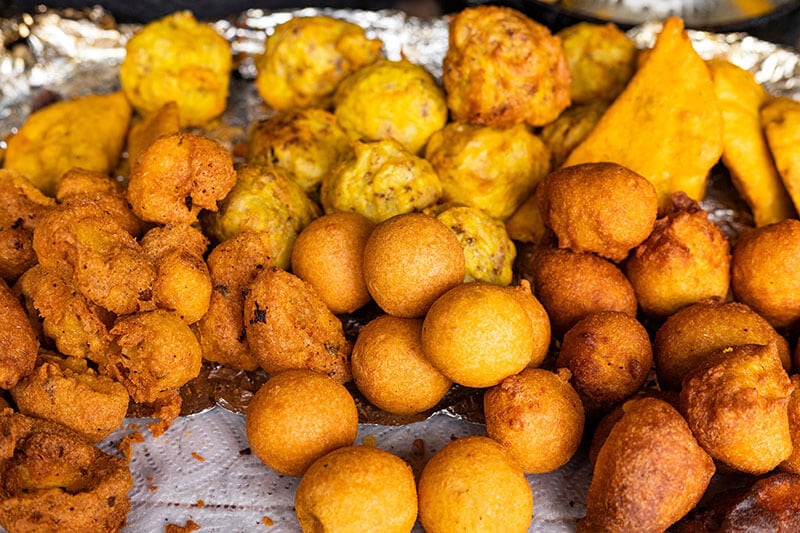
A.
pixel 409 261
pixel 570 128
pixel 357 488
pixel 540 321
pixel 603 208
pixel 298 416
pixel 537 416
pixel 328 255
pixel 792 463
pixel 502 68
pixel 18 342
pixel 391 370
pixel 474 485
pixel 525 225
pixel 478 334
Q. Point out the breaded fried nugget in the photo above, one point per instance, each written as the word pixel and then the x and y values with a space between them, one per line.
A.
pixel 18 342
pixel 780 119
pixel 502 68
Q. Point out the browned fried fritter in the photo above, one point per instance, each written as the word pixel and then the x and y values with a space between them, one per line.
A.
pixel 18 342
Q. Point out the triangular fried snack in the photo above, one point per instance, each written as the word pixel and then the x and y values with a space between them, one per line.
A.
pixel 780 118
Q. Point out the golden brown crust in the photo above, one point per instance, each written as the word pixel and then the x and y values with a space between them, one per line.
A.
pixel 18 342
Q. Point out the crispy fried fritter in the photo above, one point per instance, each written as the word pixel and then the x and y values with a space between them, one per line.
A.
pixel 570 128
pixel 163 121
pixel 780 119
pixel 18 342
pixel 792 463
pixel 540 321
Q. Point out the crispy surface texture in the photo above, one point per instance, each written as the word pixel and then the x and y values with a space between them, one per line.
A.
pixel 164 120
pixel 18 341
pixel 540 321
pixel 570 129
pixel 780 118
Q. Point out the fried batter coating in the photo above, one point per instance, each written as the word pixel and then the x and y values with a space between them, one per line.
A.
pixel 163 121
pixel 18 342
pixel 177 59
pixel 54 480
pixel 288 326
pixel 525 224
pixel 397 99
pixel 540 322
pixel 792 463
pixel 502 68
pixel 494 169
pixel 780 120
pixel 305 58
pixel 736 403
pixel 382 179
pixel 177 176
pixel 570 128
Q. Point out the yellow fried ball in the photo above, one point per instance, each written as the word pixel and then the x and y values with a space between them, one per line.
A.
pixel 540 321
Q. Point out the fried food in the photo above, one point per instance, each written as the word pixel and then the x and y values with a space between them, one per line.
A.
pixel 603 208
pixel 490 168
pixel 409 261
pixel 164 120
pixel 478 334
pixel 792 463
pixel 765 271
pixel 667 124
pixel 290 76
pixel 525 224
pixel 780 120
pixel 298 416
pixel 540 322
pixel 473 484
pixel 177 176
pixel 380 180
pixel 502 68
pixel 177 59
pixel 289 327
pixel 87 132
pixel 397 99
pixel 537 416
pixel 687 337
pixel 328 254
pixel 391 370
pixel 570 128
pixel 18 342
pixel 357 488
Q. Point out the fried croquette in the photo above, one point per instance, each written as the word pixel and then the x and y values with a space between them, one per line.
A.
pixel 177 59
pixel 502 68
pixel 18 341
pixel 780 120
pixel 165 120
pixel 306 58
pixel 570 128
pixel 540 322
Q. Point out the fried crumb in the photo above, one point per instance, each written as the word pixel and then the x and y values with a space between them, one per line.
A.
pixel 127 442
pixel 200 504
pixel 198 457
pixel 419 446
pixel 188 528
pixel 153 488
pixel 370 440
pixel 268 521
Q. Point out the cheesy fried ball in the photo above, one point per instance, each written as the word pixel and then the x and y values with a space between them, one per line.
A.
pixel 570 128
pixel 601 61
pixel 502 68
pixel 298 416
pixel 792 463
pixel 609 355
pixel 306 142
pixel 391 370
pixel 18 342
pixel 603 208
pixel 179 175
pixel 540 322
pixel 289 327
pixel 357 488
pixel 537 416
pixel 687 337
pixel 380 180
pixel 328 254
pixel 177 59
pixel 685 259
pixel 306 58
pixel 736 403
pixel 264 200
pixel 409 261
pixel 765 271
pixel 649 472
pixel 490 168
pixel 391 99
pixel 474 485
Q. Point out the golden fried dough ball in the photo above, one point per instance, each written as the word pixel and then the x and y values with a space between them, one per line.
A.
pixel 289 327
pixel 609 355
pixel 305 58
pixel 540 322
pixel 685 259
pixel 165 120
pixel 537 416
pixel 382 179
pixel 53 480
pixel 68 392
pixel 570 128
pixel 687 337
pixel 18 342
pixel 328 255
pixel 736 403
pixel 649 472
pixel 391 370
pixel 264 199
pixel 177 59
pixel 570 285
pixel 491 168
pixel 397 99
pixel 177 176
pixel 792 463
pixel 474 485
pixel 409 261
pixel 478 334
pixel 601 61
pixel 298 416
pixel 357 488
pixel 502 68
pixel 603 208
pixel 306 142
pixel 765 271
pixel 525 225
